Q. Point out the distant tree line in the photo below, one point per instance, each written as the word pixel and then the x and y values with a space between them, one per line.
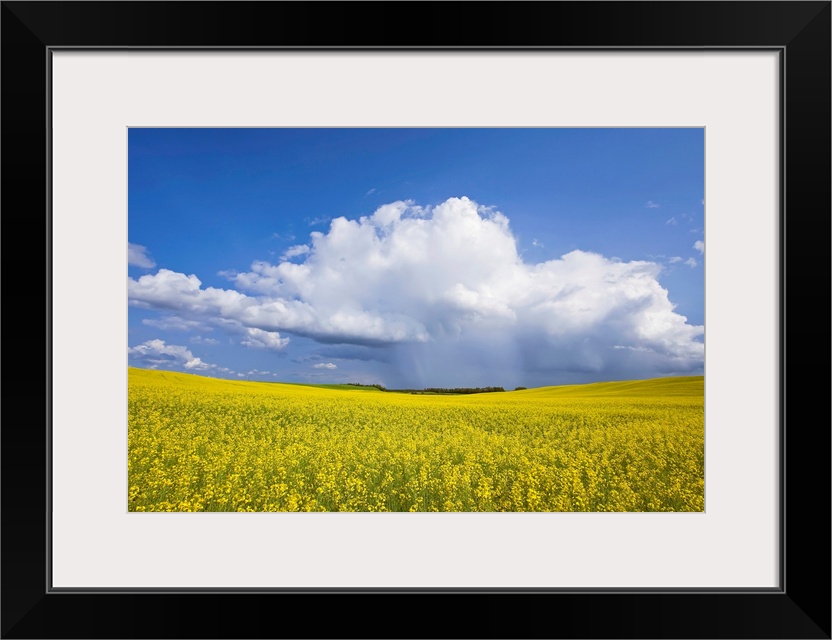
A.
pixel 436 390
pixel 375 386
pixel 462 390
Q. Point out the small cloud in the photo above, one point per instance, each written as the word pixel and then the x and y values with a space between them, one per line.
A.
pixel 137 256
pixel 537 243
pixel 325 365
pixel 370 192
pixel 652 205
pixel 197 363
pixel 201 340
pixel 258 372
pixel 675 260
pixel 699 246
pixel 293 252
pixel 174 323
pixel 691 262
pixel 671 221
pixel 260 339
pixel 319 220
pixel 155 353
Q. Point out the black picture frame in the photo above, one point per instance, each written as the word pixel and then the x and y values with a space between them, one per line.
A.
pixel 799 608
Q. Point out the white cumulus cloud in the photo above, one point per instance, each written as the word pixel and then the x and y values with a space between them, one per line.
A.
pixel 699 246
pixel 259 339
pixel 155 353
pixel 325 365
pixel 137 256
pixel 446 285
pixel 294 252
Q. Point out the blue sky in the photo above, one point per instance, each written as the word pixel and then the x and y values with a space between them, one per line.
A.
pixel 417 257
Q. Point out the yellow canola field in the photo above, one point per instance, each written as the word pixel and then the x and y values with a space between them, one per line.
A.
pixel 203 444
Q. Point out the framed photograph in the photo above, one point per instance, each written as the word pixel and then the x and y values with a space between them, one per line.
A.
pixel 427 353
pixel 234 196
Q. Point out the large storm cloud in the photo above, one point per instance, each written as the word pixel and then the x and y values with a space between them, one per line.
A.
pixel 447 294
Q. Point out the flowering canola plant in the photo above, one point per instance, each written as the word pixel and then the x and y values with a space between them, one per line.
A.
pixel 205 444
